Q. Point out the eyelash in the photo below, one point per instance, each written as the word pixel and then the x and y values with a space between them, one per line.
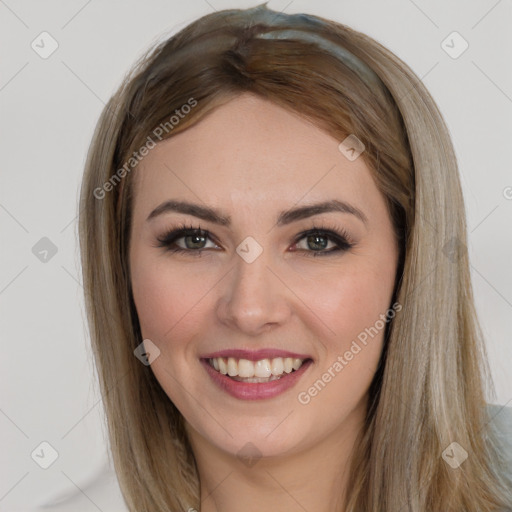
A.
pixel 339 236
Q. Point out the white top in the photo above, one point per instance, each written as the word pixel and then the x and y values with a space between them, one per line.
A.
pixel 501 423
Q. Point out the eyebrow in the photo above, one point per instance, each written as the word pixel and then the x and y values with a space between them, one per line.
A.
pixel 285 217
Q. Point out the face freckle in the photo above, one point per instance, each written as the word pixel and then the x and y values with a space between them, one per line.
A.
pixel 250 161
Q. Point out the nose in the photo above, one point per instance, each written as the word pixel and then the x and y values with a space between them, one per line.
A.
pixel 255 297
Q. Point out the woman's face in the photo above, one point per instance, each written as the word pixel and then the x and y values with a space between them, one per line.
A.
pixel 256 283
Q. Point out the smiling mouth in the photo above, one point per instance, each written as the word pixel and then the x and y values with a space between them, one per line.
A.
pixel 263 370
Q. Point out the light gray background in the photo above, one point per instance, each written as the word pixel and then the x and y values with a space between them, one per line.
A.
pixel 48 111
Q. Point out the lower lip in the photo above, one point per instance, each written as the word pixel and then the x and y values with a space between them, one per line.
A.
pixel 255 390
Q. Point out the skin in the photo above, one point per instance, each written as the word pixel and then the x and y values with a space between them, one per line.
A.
pixel 252 159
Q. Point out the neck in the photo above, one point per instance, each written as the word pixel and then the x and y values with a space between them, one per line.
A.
pixel 312 479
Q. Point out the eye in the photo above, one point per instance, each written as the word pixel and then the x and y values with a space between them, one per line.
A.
pixel 194 240
pixel 318 238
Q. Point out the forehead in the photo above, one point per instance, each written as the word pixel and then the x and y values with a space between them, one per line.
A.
pixel 253 154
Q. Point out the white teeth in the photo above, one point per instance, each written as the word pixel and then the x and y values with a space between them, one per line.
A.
pixel 223 367
pixel 262 368
pixel 277 366
pixel 245 368
pixel 232 367
pixel 254 370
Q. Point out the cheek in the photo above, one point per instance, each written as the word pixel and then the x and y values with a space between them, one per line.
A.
pixel 167 298
pixel 352 310
pixel 354 300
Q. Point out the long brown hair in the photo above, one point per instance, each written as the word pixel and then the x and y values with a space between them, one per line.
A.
pixel 430 388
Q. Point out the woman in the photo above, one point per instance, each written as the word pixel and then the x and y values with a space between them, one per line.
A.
pixel 274 255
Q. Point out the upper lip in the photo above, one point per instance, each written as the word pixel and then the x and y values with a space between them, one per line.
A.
pixel 255 355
